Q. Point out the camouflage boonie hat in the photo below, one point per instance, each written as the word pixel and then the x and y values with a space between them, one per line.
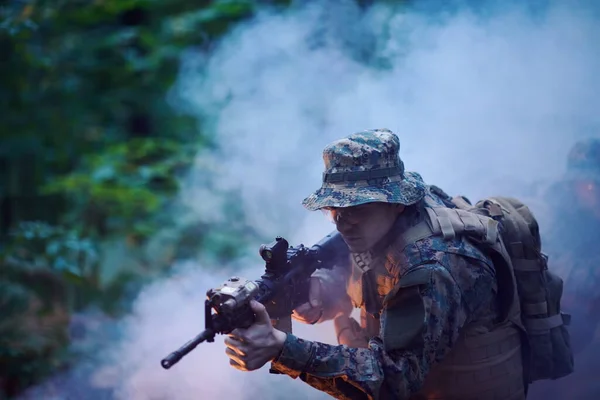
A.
pixel 583 161
pixel 365 167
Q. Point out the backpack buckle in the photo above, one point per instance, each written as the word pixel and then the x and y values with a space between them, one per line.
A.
pixel 494 209
pixel 544 260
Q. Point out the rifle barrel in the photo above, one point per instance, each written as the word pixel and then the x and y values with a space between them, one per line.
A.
pixel 178 354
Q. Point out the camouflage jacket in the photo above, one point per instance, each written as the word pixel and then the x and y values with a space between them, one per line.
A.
pixel 457 287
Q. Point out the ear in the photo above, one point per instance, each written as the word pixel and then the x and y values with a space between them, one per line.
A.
pixel 399 208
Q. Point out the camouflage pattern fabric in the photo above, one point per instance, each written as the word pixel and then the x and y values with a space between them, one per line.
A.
pixel 334 280
pixel 365 167
pixel 460 288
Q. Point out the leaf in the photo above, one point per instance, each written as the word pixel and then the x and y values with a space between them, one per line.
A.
pixel 63 265
pixel 73 278
pixel 104 173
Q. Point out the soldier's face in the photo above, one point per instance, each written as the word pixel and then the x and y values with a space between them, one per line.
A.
pixel 363 226
pixel 588 195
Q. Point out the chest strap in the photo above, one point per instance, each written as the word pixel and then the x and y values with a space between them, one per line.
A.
pixel 450 223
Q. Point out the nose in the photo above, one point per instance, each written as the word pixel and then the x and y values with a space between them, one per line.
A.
pixel 343 226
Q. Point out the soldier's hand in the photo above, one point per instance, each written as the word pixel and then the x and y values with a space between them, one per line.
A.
pixel 311 312
pixel 251 348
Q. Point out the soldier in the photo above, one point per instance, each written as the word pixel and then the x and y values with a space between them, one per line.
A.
pixel 573 233
pixel 573 229
pixel 432 325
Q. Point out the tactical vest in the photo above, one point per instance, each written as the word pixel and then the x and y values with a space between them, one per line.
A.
pixel 482 365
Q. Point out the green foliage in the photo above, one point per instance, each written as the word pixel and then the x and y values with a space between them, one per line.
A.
pixel 87 126
pixel 40 244
pixel 57 253
pixel 90 157
pixel 127 183
pixel 34 299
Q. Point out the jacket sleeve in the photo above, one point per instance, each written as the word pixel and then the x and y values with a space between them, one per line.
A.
pixel 420 323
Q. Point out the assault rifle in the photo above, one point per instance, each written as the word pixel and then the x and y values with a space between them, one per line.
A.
pixel 282 288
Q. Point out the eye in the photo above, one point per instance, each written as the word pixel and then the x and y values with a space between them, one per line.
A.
pixel 357 213
pixel 361 210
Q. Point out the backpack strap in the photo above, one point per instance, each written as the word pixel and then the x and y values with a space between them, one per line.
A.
pixel 417 232
pixel 462 202
pixel 484 231
pixel 451 223
pixel 528 260
pixel 524 249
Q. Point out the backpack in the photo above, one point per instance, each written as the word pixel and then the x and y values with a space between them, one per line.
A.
pixel 539 290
